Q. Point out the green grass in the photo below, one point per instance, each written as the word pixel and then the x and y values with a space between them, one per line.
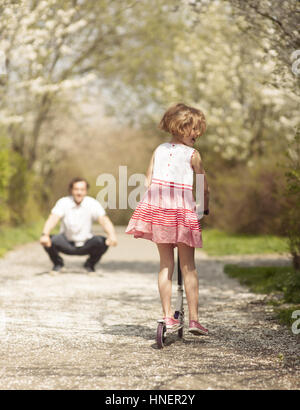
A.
pixel 284 280
pixel 261 279
pixel 284 315
pixel 12 236
pixel 218 243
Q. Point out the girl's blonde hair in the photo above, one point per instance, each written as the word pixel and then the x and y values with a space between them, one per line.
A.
pixel 180 118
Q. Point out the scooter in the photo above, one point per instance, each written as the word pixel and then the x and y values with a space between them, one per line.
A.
pixel 162 331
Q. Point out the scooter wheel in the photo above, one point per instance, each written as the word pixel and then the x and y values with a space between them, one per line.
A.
pixel 180 333
pixel 160 335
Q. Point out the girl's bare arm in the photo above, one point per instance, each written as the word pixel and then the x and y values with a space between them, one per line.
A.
pixel 197 165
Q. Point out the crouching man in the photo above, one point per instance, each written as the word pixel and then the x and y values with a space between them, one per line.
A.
pixel 77 213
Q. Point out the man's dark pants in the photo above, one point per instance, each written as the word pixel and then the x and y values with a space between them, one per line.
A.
pixel 95 247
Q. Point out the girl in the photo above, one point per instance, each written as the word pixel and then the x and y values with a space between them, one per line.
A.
pixel 166 213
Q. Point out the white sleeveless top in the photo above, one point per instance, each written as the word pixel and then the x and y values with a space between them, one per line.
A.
pixel 172 163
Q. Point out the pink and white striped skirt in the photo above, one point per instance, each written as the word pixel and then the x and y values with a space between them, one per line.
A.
pixel 167 214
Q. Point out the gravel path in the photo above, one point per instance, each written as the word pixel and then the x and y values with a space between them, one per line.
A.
pixel 75 331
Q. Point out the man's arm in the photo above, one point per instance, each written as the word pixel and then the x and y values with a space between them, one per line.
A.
pixel 199 169
pixel 49 225
pixel 108 227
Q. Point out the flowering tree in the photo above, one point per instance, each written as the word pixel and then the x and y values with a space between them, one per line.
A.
pixel 276 20
pixel 54 47
pixel 36 40
pixel 218 65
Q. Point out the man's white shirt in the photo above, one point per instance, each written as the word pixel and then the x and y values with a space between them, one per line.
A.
pixel 77 220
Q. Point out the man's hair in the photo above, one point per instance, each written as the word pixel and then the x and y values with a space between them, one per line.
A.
pixel 77 179
pixel 180 118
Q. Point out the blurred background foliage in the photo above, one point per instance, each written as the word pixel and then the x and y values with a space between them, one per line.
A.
pixel 85 83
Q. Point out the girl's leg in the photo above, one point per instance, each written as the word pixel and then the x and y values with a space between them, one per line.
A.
pixel 190 277
pixel 166 253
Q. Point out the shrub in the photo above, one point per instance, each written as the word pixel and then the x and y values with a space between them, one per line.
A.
pixel 248 200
